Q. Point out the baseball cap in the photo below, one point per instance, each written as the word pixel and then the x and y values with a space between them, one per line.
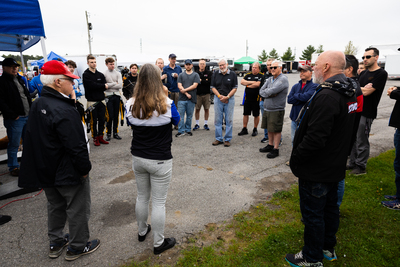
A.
pixel 9 62
pixel 172 56
pixel 188 61
pixel 304 67
pixel 54 67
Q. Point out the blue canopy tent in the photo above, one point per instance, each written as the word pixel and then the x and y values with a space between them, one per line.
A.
pixel 21 26
pixel 50 56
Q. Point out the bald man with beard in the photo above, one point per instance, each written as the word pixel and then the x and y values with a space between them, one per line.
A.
pixel 320 148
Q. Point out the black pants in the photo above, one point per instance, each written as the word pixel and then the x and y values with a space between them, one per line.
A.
pixel 113 113
pixel 98 120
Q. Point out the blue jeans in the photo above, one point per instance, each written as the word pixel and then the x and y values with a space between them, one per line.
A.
pixel 396 163
pixel 223 110
pixel 293 127
pixel 188 108
pixel 262 112
pixel 318 205
pixel 340 192
pixel 15 130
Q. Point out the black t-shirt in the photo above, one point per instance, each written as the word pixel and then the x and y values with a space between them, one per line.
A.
pixel 205 81
pixel 252 93
pixel 378 79
pixel 224 83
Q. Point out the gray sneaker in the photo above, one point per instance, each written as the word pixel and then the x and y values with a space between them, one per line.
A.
pixel 330 254
pixel 57 249
pixel 298 260
pixel 358 171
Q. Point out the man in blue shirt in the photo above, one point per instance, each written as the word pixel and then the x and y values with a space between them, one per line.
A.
pixel 172 70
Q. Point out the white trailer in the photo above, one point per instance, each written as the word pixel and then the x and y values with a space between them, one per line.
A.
pixel 392 66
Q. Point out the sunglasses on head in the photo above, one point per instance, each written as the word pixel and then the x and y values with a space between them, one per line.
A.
pixel 274 67
pixel 367 57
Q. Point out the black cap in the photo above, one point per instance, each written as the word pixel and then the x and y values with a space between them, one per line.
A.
pixel 9 62
pixel 188 61
pixel 172 56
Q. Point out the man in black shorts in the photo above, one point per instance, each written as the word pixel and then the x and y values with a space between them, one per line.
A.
pixel 252 81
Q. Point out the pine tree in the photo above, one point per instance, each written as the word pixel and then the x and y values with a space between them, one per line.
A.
pixel 320 49
pixel 306 54
pixel 350 49
pixel 273 54
pixel 263 57
pixel 288 55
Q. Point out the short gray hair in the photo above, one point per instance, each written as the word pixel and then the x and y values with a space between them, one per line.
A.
pixel 256 63
pixel 277 61
pixel 47 79
pixel 223 59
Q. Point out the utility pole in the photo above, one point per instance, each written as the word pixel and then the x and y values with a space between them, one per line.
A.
pixel 247 49
pixel 140 45
pixel 89 28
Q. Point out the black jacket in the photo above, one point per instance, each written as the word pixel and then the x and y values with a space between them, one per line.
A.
pixel 95 85
pixel 323 138
pixel 55 149
pixel 394 120
pixel 10 100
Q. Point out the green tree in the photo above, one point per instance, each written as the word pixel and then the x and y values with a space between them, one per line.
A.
pixel 273 54
pixel 320 49
pixel 306 54
pixel 263 57
pixel 26 58
pixel 350 49
pixel 288 55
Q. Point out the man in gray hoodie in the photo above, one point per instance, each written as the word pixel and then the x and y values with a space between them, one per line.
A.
pixel 274 92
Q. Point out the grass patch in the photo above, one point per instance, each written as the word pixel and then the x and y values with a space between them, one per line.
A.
pixel 368 234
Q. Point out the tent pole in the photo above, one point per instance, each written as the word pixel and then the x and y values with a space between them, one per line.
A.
pixel 22 61
pixel 43 49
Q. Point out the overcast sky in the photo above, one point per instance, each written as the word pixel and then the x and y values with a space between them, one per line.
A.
pixel 193 29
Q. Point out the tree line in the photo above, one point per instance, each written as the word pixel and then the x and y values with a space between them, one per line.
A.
pixel 350 49
pixel 26 58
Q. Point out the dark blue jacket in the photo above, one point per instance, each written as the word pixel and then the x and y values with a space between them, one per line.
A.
pixel 298 97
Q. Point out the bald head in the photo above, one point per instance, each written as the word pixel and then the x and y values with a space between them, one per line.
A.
pixel 328 64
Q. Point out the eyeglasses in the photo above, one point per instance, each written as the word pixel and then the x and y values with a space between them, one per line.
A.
pixel 274 68
pixel 367 57
pixel 67 79
pixel 221 65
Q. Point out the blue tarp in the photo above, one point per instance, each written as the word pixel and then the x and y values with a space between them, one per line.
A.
pixel 21 24
pixel 50 56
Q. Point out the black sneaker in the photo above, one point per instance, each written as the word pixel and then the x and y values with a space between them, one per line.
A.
pixel 254 132
pixel 91 246
pixel 196 127
pixel 108 137
pixel 266 149
pixel 116 136
pixel 57 249
pixel 179 134
pixel 189 133
pixel 264 140
pixel 206 127
pixel 4 219
pixel 273 154
pixel 142 238
pixel 243 132
pixel 297 260
pixel 167 244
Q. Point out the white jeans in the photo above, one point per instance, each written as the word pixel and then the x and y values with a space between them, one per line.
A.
pixel 152 178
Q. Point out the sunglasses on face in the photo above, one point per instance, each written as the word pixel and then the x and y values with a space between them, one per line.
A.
pixel 367 57
pixel 274 68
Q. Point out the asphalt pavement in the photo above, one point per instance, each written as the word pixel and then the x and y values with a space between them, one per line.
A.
pixel 209 185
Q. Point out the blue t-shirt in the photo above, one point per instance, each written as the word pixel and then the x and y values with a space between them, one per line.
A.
pixel 172 83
